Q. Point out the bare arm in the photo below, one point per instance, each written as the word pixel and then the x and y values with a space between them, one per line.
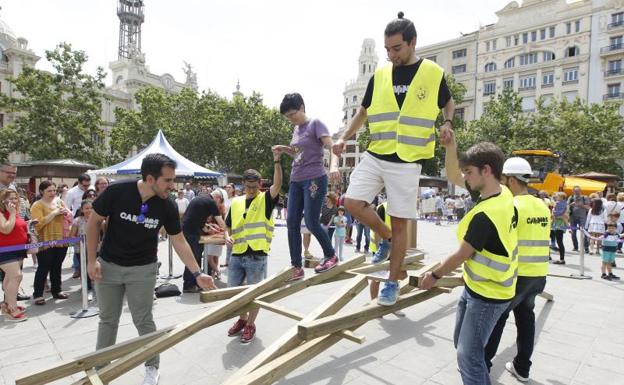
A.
pixel 357 122
pixel 93 236
pixel 184 251
pixel 277 175
pixel 449 264
pixel 451 163
pixel 7 225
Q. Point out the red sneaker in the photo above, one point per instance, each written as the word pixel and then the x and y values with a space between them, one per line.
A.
pixel 237 327
pixel 249 333
pixel 327 264
pixel 297 274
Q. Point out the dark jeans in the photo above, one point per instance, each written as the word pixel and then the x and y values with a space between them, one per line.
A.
pixel 50 262
pixel 460 213
pixel 198 249
pixel 362 229
pixel 559 238
pixel 522 305
pixel 305 199
pixel 578 223
pixel 330 231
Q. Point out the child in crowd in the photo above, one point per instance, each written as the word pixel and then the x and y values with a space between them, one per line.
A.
pixel 595 224
pixel 78 229
pixel 610 241
pixel 560 221
pixel 340 221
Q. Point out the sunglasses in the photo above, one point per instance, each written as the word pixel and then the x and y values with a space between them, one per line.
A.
pixel 141 217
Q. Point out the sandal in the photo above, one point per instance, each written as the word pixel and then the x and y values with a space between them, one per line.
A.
pixel 60 295
pixel 39 301
pixel 13 314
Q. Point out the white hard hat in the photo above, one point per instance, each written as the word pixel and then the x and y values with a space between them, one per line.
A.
pixel 517 167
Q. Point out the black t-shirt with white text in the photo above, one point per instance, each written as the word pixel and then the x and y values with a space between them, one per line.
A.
pixel 127 242
pixel 269 206
pixel 197 213
pixel 402 77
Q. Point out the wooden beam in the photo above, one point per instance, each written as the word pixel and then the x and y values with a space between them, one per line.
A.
pixel 449 282
pixel 370 268
pixel 187 329
pixel 220 294
pixel 290 340
pixel 547 296
pixel 93 377
pixel 331 324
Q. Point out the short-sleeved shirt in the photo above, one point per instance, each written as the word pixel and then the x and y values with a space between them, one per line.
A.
pixel 197 212
pixel 268 211
pixel 308 159
pixel 327 213
pixel 578 211
pixel 128 242
pixel 341 231
pixel 402 77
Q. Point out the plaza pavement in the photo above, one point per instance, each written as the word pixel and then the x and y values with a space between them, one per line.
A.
pixel 580 336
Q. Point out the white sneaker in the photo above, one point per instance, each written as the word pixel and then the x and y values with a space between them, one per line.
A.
pixel 511 369
pixel 399 313
pixel 151 375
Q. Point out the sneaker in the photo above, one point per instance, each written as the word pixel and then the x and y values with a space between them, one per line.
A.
pixel 349 241
pixel 604 276
pixel 613 276
pixel 237 327
pixel 307 255
pixel 297 274
pixel 559 262
pixel 382 253
pixel 389 293
pixel 151 375
pixel 22 297
pixel 249 333
pixel 327 264
pixel 357 249
pixel 511 369
pixel 399 313
pixel 76 274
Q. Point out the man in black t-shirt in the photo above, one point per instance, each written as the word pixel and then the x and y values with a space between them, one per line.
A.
pixel 401 104
pixel 193 222
pixel 128 262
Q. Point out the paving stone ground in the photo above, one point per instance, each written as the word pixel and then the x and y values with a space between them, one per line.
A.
pixel 580 336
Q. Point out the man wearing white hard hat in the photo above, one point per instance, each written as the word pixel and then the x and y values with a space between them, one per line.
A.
pixel 533 252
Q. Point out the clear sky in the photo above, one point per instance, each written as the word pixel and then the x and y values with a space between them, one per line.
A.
pixel 273 46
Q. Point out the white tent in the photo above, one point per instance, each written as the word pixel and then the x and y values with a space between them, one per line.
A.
pixel 158 145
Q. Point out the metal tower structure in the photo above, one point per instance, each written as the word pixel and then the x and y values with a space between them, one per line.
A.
pixel 131 16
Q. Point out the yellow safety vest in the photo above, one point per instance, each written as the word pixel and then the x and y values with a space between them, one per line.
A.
pixel 488 274
pixel 533 236
pixel 372 246
pixel 409 131
pixel 253 229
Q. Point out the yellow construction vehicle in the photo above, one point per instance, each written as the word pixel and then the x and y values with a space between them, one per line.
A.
pixel 548 170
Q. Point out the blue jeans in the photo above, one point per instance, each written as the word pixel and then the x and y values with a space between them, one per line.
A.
pixel 362 229
pixel 244 268
pixel 475 321
pixel 305 199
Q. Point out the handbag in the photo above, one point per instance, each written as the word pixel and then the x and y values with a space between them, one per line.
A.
pixel 167 290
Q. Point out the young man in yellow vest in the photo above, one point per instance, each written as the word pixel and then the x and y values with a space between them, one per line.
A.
pixel 402 102
pixel 250 231
pixel 533 253
pixel 487 250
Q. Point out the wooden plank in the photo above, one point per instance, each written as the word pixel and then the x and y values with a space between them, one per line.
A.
pixel 449 282
pixel 93 377
pixel 90 360
pixel 279 310
pixel 187 329
pixel 331 324
pixel 290 340
pixel 547 296
pixel 220 294
pixel 370 268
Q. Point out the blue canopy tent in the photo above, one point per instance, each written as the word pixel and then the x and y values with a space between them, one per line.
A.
pixel 185 168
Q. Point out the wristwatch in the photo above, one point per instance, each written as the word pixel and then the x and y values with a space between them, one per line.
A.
pixel 434 275
pixel 197 273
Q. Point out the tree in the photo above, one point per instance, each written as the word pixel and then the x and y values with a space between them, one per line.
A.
pixel 58 115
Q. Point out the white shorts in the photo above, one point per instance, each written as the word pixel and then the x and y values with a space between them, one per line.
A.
pixel 400 180
pixel 210 249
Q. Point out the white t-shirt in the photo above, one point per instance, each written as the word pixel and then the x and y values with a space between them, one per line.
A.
pixel 73 199
pixel 182 205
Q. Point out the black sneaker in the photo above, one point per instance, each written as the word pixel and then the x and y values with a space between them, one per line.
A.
pixel 22 297
pixel 559 262
pixel 604 276
pixel 613 276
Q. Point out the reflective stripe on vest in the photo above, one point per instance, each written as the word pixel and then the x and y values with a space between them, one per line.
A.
pixel 487 274
pixel 250 227
pixel 407 131
pixel 533 236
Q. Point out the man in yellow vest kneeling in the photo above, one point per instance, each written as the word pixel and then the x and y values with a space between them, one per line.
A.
pixel 250 231
pixel 533 252
pixel 488 248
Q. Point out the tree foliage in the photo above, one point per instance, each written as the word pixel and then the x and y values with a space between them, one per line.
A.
pixel 225 135
pixel 588 135
pixel 58 114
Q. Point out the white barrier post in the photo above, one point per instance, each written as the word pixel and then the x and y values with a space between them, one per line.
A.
pixel 581 274
pixel 170 251
pixel 86 311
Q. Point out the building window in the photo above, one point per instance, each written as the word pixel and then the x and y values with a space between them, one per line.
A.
pixel 527 82
pixel 363 69
pixel 613 90
pixel 542 33
pixel 489 67
pixel 494 45
pixel 572 51
pixel 487 46
pixel 459 113
pixel 350 149
pixel 615 67
pixel 568 28
pixel 617 19
pixel 534 36
pixel 616 42
pixel 459 53
pixel 350 162
pixel 548 56
pixel 432 58
pixel 354 98
pixel 551 31
pixel 508 41
pixel 548 79
pixel 459 69
pixel 570 75
pixel 528 58
pixel 577 26
pixel 489 88
pixel 525 38
pixel 516 40
pixel 510 63
pixel 508 84
pixel 353 112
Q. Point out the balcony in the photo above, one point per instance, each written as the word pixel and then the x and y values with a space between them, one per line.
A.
pixel 615 25
pixel 613 72
pixel 613 96
pixel 611 49
pixel 547 85
pixel 527 88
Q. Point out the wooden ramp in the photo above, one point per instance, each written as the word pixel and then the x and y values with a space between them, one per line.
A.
pixel 312 334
